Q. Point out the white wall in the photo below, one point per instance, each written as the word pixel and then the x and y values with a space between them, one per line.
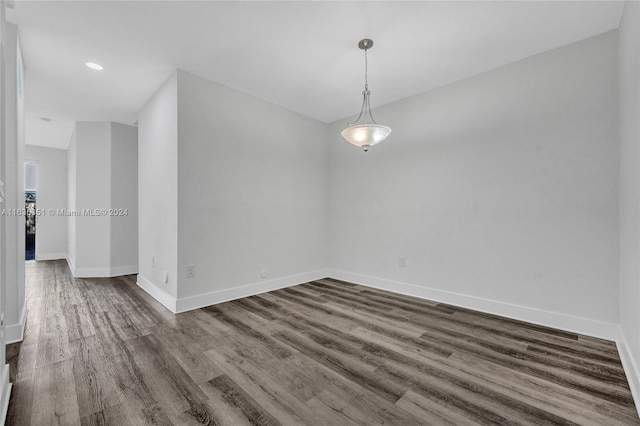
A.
pixel 14 225
pixel 499 190
pixel 252 192
pixel 93 189
pixel 102 178
pixel 233 185
pixel 124 197
pixel 158 192
pixel 71 197
pixel 5 386
pixel 51 229
pixel 630 193
pixel 17 330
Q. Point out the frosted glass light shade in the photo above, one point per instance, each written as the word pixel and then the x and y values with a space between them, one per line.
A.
pixel 365 134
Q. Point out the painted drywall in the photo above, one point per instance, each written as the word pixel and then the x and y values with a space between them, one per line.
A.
pixel 104 179
pixel 5 386
pixel 501 187
pixel 13 177
pixel 629 49
pixel 71 198
pixel 252 191
pixel 124 199
pixel 16 331
pixel 51 198
pixel 93 189
pixel 158 191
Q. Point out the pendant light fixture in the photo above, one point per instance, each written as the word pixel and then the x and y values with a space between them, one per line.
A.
pixel 365 132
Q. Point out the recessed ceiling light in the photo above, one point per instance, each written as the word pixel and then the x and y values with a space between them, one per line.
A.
pixel 94 66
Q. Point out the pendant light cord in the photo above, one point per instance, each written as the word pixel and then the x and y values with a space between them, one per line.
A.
pixel 366 69
pixel 366 107
pixel 365 110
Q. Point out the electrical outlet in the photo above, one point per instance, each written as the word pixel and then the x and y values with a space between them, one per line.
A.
pixel 153 261
pixel 191 271
pixel 402 262
pixel 264 273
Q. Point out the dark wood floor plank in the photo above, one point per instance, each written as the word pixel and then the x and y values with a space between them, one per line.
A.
pixel 248 331
pixel 479 396
pixel 432 412
pixel 441 333
pixel 533 334
pixel 346 366
pixel 535 391
pixel 188 352
pixel 91 373
pixel 349 412
pixel 34 321
pixel 279 395
pixel 332 284
pixel 138 400
pixel 305 379
pixel 169 384
pixel 582 407
pixel 103 352
pixel 512 329
pixel 53 340
pixel 55 396
pixel 235 397
pixel 21 403
pixel 281 307
pixel 385 302
pixel 450 326
pixel 112 415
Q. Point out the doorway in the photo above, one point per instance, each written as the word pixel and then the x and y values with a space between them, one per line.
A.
pixel 30 188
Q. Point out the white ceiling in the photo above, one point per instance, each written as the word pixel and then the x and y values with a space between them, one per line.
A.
pixel 300 55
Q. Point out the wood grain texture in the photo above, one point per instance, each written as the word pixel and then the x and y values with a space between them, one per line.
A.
pixel 103 352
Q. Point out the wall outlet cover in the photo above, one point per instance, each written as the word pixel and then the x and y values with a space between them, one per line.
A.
pixel 190 271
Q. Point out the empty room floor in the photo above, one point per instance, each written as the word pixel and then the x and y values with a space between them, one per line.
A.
pixel 101 351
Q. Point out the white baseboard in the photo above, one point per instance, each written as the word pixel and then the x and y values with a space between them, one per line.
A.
pixel 167 300
pixel 91 272
pixel 603 330
pixel 50 256
pixel 207 299
pixel 72 266
pixel 117 271
pixel 113 271
pixel 225 295
pixel 631 368
pixel 15 332
pixel 5 393
pixel 557 320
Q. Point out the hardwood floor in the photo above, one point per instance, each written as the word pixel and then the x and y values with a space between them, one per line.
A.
pixel 102 352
